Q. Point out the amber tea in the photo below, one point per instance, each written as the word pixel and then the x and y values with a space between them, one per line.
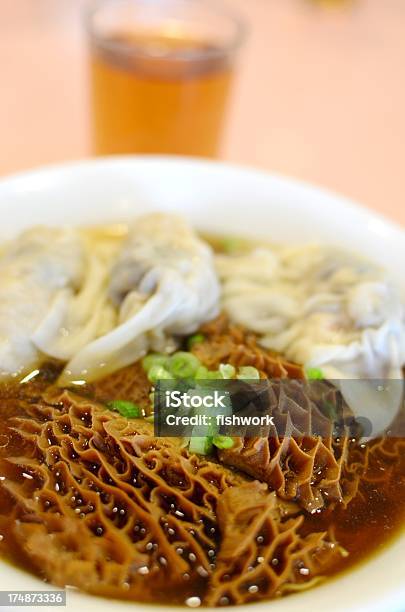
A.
pixel 159 94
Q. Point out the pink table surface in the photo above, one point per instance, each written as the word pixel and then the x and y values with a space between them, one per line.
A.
pixel 320 93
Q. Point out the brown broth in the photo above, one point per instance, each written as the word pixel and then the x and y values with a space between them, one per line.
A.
pixel 373 518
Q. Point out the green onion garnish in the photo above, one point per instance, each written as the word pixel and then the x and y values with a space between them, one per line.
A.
pixel 248 373
pixel 314 374
pixel 126 409
pixel 196 339
pixel 202 373
pixel 214 375
pixel 154 359
pixel 227 371
pixel 183 365
pixel 223 442
pixel 200 445
pixel 158 372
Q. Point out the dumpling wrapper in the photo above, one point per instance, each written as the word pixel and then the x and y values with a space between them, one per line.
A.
pixel 324 308
pixel 75 319
pixel 164 284
pixel 41 266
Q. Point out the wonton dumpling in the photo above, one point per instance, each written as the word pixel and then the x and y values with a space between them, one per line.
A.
pixel 76 318
pixel 41 265
pixel 164 284
pixel 323 308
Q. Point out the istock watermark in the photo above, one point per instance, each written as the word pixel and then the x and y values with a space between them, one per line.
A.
pixel 176 399
pixel 279 407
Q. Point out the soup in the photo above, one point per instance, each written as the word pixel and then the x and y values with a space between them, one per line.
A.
pixel 92 497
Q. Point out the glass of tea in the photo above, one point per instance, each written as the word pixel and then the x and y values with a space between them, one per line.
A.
pixel 161 74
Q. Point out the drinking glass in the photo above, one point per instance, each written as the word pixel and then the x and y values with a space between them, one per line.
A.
pixel 161 74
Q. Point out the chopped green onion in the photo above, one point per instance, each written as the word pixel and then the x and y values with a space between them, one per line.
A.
pixel 154 359
pixel 200 445
pixel 227 371
pixel 202 373
pixel 223 442
pixel 248 373
pixel 314 374
pixel 183 365
pixel 158 372
pixel 196 339
pixel 204 378
pixel 214 375
pixel 126 409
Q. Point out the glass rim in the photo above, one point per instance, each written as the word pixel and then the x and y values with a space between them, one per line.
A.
pixel 218 7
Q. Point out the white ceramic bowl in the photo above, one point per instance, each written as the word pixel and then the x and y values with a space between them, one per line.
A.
pixel 227 199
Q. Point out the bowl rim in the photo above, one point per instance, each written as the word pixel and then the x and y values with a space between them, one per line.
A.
pixel 88 162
